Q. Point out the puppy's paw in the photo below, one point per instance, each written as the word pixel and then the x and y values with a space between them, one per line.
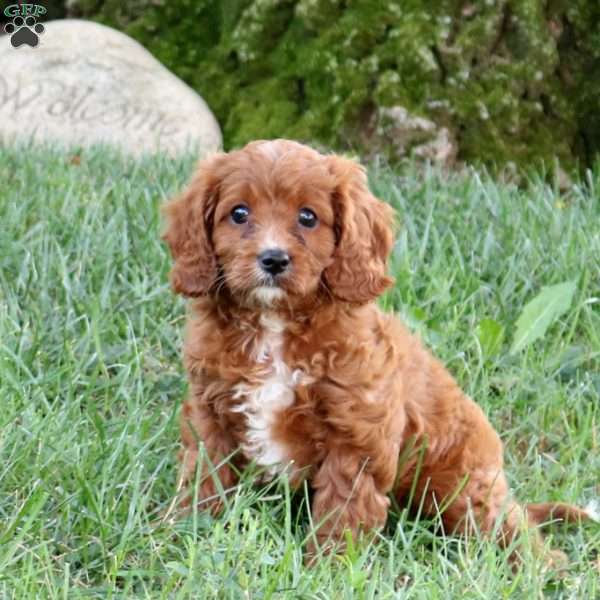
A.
pixel 318 547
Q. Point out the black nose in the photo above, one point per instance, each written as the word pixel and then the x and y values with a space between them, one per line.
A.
pixel 274 261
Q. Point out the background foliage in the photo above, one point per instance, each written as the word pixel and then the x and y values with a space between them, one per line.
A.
pixel 499 82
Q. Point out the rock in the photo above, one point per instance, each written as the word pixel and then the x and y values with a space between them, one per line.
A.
pixel 85 83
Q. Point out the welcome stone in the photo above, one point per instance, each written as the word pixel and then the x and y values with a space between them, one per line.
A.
pixel 85 83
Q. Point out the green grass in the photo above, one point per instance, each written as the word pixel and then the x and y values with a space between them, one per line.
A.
pixel 91 383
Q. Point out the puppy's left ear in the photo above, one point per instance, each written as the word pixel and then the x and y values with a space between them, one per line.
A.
pixel 189 230
pixel 364 232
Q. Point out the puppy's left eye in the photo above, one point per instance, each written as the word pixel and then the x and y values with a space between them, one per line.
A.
pixel 239 214
pixel 307 218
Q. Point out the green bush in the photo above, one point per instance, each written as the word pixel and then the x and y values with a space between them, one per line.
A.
pixel 510 81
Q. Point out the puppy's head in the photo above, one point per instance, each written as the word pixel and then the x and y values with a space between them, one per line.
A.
pixel 279 222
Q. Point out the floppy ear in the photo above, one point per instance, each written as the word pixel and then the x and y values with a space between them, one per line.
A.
pixel 188 234
pixel 363 227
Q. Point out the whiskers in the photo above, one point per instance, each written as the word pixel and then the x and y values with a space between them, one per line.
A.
pixel 241 284
pixel 219 283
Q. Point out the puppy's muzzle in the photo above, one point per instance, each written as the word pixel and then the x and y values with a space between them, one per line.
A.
pixel 273 261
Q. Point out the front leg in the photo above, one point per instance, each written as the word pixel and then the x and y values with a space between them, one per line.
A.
pixel 349 496
pixel 201 429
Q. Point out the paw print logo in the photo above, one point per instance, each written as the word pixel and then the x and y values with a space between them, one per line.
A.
pixel 24 30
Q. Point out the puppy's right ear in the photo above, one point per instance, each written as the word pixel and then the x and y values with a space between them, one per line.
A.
pixel 189 228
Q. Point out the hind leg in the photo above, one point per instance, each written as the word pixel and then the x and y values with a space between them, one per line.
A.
pixel 484 505
pixel 480 502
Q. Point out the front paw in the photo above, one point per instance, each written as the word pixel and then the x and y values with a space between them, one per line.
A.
pixel 320 546
pixel 207 499
pixel 346 542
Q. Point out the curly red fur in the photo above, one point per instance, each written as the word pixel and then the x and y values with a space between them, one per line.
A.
pixel 305 372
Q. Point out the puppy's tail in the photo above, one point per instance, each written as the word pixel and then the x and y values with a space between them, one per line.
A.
pixel 543 514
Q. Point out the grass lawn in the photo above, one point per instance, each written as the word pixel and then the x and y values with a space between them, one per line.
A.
pixel 91 383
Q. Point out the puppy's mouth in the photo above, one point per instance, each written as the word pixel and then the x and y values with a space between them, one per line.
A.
pixel 267 294
pixel 268 291
pixel 271 281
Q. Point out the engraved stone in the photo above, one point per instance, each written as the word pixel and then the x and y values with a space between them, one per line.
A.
pixel 85 83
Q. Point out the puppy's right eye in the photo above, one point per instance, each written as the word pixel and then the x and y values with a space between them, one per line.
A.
pixel 239 214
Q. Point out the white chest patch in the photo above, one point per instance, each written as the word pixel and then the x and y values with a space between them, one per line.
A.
pixel 262 401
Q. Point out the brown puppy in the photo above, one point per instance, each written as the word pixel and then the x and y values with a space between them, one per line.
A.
pixel 292 364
